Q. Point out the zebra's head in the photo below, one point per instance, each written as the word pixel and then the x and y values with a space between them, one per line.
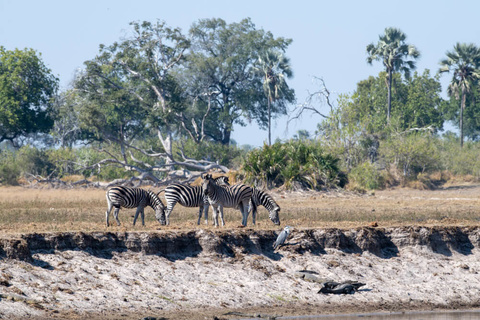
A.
pixel 273 215
pixel 222 181
pixel 159 207
pixel 207 183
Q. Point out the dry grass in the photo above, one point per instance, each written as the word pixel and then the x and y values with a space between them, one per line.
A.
pixel 46 210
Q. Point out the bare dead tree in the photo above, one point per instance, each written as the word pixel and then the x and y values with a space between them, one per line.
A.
pixel 313 102
pixel 197 132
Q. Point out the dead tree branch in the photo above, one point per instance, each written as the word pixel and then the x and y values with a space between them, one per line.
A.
pixel 321 96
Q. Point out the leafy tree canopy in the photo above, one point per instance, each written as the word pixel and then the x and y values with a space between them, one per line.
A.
pixel 221 66
pixel 27 89
pixel 464 63
pixel 416 103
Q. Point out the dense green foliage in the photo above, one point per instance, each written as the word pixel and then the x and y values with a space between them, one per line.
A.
pixel 303 162
pixel 27 87
pixel 222 65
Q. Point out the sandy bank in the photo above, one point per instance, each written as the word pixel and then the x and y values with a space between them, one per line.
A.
pixel 201 273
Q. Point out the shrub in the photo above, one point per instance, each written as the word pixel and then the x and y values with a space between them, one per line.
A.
pixel 460 161
pixel 366 176
pixel 34 161
pixel 411 154
pixel 303 162
pixel 9 170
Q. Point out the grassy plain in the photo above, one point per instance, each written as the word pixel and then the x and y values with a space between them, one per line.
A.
pixel 57 210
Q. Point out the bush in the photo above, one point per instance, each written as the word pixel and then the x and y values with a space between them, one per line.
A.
pixel 303 162
pixel 411 154
pixel 9 170
pixel 34 161
pixel 460 161
pixel 366 176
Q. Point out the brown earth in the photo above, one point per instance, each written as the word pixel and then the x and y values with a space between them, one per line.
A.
pixel 423 254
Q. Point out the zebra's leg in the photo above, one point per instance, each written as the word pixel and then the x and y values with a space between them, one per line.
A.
pixel 205 209
pixel 215 215
pixel 253 208
pixel 139 209
pixel 107 213
pixel 143 216
pixel 115 214
pixel 220 207
pixel 200 210
pixel 168 211
pixel 221 216
pixel 242 208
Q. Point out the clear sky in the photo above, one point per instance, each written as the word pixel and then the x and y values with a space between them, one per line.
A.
pixel 329 37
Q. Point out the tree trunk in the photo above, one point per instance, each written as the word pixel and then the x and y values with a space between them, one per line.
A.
pixel 462 107
pixel 389 96
pixel 269 123
pixel 167 145
pixel 226 135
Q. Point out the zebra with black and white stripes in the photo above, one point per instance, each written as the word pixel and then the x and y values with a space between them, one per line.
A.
pixel 260 197
pixel 236 196
pixel 132 198
pixel 188 196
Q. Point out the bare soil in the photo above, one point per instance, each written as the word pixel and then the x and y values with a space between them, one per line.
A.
pixel 413 249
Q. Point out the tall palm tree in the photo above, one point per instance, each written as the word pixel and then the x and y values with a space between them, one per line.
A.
pixel 464 62
pixel 396 55
pixel 274 68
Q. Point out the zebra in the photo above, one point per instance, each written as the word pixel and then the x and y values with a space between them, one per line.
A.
pixel 260 197
pixel 188 196
pixel 236 196
pixel 132 198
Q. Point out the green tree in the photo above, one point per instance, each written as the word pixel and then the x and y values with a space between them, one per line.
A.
pixel 464 63
pixel 396 55
pixel 106 110
pixel 129 86
pixel 423 103
pixel 274 68
pixel 66 130
pixel 130 92
pixel 356 127
pixel 471 114
pixel 222 60
pixel 27 89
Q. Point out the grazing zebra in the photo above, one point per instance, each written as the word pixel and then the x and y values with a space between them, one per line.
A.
pixel 236 196
pixel 260 197
pixel 132 198
pixel 189 196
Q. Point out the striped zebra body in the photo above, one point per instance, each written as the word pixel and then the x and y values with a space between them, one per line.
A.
pixel 262 198
pixel 236 196
pixel 189 196
pixel 126 197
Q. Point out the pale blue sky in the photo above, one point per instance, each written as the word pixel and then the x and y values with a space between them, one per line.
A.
pixel 329 37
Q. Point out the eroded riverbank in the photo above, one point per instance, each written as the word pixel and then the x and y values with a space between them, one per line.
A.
pixel 210 273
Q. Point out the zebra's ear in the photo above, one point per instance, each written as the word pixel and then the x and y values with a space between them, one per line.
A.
pixel 202 176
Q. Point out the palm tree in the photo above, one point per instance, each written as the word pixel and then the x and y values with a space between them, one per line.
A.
pixel 464 62
pixel 396 55
pixel 274 68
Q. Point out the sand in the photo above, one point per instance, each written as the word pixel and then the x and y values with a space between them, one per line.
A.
pixel 417 269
